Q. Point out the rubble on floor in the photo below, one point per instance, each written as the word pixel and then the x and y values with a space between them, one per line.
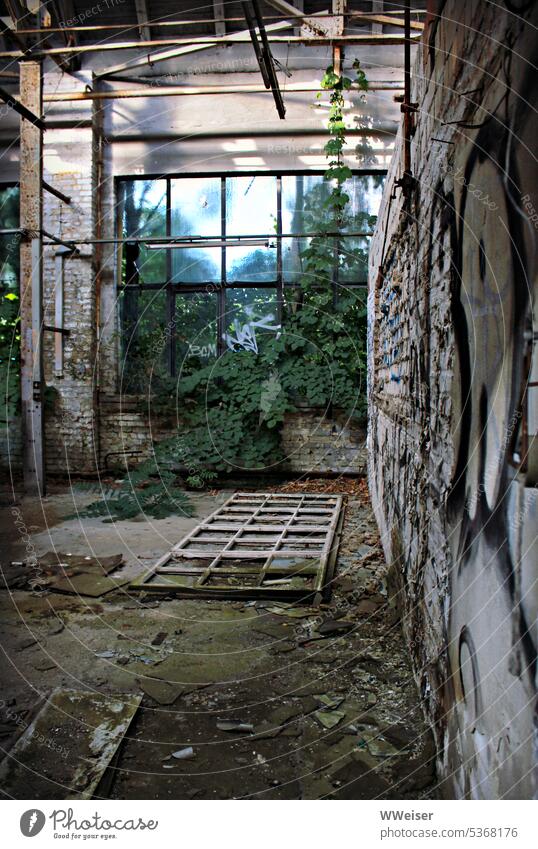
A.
pixel 66 573
pixel 238 699
pixel 68 746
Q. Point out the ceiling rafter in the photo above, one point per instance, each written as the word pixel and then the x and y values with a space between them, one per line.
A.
pixel 175 52
pixel 309 23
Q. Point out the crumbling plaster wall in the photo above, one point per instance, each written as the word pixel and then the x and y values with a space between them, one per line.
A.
pixel 452 286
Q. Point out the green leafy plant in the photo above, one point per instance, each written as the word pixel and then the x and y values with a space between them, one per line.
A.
pixel 9 306
pixel 145 490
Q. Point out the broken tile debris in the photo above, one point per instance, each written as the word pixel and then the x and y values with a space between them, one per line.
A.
pixel 64 752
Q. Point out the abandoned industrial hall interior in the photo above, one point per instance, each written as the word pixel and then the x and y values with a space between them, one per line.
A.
pixel 269 400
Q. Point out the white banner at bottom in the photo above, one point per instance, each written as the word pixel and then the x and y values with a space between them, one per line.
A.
pixel 270 825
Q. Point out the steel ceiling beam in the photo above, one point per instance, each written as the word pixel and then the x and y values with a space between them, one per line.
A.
pixel 190 45
pixel 368 17
pixel 184 47
pixel 308 21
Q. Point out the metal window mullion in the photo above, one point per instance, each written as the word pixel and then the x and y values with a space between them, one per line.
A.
pixel 221 294
pixel 170 291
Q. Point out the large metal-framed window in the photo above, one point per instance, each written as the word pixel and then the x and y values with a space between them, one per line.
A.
pixel 203 253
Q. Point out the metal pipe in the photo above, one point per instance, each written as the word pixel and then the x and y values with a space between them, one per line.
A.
pixel 376 85
pixel 196 91
pixel 212 286
pixel 215 41
pixel 229 243
pixel 245 133
pixel 201 241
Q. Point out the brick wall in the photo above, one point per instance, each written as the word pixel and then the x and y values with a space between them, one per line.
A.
pixel 450 312
pixel 68 165
pixel 313 441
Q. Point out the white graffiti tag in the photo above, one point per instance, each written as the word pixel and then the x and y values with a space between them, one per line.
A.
pixel 245 335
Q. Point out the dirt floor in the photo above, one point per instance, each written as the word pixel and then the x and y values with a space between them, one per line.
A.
pixel 276 701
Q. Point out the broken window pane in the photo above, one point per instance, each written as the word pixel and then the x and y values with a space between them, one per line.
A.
pixel 196 211
pixel 196 331
pixel 144 216
pixel 251 208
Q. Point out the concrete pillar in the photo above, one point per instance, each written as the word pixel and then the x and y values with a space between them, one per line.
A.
pixel 31 283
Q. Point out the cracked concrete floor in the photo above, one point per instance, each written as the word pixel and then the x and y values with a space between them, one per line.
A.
pixel 275 701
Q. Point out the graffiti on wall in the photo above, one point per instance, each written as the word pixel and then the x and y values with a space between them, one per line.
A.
pixel 493 600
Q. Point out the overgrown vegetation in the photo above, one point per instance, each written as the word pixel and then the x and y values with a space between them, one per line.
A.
pixel 143 491
pixel 231 410
pixel 9 306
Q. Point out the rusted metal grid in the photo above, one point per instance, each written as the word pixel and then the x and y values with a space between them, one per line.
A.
pixel 256 545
